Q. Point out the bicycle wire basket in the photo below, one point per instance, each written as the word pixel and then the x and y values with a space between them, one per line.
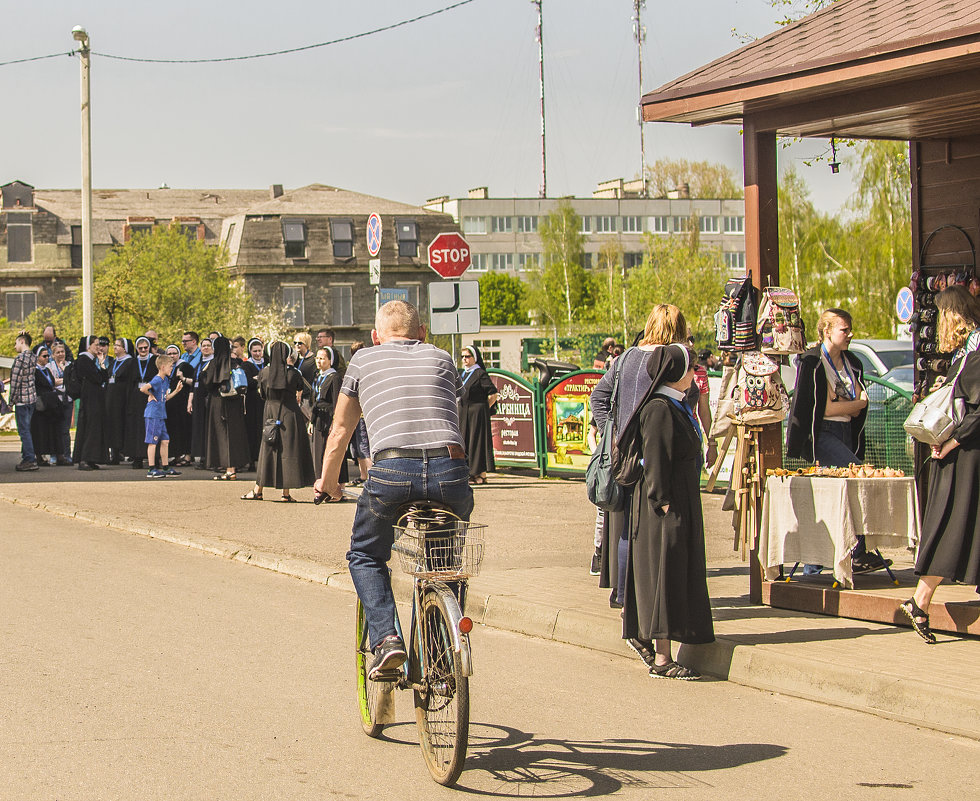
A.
pixel 434 543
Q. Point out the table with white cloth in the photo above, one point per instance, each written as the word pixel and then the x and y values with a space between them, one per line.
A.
pixel 817 520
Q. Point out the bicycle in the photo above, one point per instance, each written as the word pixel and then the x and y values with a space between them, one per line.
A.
pixel 441 551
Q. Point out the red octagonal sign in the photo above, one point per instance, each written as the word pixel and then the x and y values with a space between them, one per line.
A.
pixel 449 255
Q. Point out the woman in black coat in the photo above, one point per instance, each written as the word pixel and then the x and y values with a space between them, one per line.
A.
pixel 949 548
pixel 116 396
pixel 254 412
pixel 226 442
pixel 666 597
pixel 287 463
pixel 326 388
pixel 479 394
pixel 178 418
pixel 90 444
pixel 46 425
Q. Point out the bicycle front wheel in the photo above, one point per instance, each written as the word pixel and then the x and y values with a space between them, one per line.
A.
pixel 442 705
pixel 372 696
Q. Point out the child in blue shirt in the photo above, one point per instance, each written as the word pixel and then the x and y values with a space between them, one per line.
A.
pixel 155 416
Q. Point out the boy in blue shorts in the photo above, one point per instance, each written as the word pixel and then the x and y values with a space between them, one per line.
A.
pixel 155 416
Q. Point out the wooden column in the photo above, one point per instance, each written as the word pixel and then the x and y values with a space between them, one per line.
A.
pixel 762 261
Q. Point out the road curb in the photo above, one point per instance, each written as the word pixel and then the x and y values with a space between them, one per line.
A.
pixel 911 701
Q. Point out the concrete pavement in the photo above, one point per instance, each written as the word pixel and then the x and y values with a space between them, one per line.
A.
pixel 535 581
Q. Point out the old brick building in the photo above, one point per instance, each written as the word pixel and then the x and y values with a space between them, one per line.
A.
pixel 305 249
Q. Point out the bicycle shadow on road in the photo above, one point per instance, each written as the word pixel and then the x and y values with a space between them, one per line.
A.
pixel 506 762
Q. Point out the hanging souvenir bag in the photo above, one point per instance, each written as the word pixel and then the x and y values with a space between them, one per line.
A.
pixel 760 395
pixel 736 316
pixel 600 483
pixel 934 417
pixel 780 322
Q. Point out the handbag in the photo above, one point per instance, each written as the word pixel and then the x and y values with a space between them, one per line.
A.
pixel 600 482
pixel 39 404
pixel 934 417
pixel 271 431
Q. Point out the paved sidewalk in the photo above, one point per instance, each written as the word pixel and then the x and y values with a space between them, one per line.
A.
pixel 535 581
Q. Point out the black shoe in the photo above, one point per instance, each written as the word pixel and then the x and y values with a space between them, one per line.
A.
pixel 869 563
pixel 87 466
pixel 643 650
pixel 389 655
pixel 137 464
pixel 26 466
pixel 63 461
pixel 596 564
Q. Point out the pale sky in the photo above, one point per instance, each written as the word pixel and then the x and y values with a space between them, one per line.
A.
pixel 433 108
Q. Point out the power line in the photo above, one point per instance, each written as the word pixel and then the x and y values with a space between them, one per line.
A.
pixel 36 58
pixel 350 38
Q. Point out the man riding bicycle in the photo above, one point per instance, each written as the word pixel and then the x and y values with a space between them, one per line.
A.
pixel 407 391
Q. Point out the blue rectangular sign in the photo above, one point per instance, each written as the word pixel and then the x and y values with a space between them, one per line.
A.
pixel 384 295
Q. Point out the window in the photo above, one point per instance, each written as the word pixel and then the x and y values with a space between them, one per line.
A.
pixel 632 225
pixel 342 236
pixel 76 247
pixel 231 235
pixel 294 238
pixel 143 229
pixel 631 260
pixel 527 225
pixel 490 351
pixel 20 237
pixel 20 305
pixel 605 225
pixel 735 261
pixel 659 224
pixel 734 225
pixel 708 225
pixel 479 262
pixel 294 306
pixel 586 226
pixel 342 301
pixel 474 225
pixel 528 261
pixel 502 261
pixel 407 234
pixel 413 293
pixel 681 224
pixel 586 261
pixel 191 231
pixel 503 225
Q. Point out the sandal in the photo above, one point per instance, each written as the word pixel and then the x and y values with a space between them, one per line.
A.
pixel 252 495
pixel 480 480
pixel 912 611
pixel 226 477
pixel 287 499
pixel 674 671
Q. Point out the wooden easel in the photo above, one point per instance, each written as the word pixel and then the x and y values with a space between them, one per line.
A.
pixel 746 484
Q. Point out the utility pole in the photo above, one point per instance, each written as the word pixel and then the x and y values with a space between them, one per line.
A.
pixel 640 34
pixel 88 284
pixel 540 34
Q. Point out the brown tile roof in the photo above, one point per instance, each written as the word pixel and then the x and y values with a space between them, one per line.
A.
pixel 844 32
pixel 323 199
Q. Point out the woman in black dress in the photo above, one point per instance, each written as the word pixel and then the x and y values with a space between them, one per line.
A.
pixel 90 443
pixel 57 366
pixel 479 394
pixel 254 413
pixel 46 424
pixel 197 405
pixel 288 463
pixel 666 575
pixel 326 388
pixel 226 442
pixel 116 397
pixel 178 419
pixel 950 543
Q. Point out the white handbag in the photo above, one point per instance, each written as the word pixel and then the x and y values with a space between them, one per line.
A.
pixel 934 417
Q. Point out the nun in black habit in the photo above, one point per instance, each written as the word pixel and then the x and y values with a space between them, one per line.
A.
pixel 326 388
pixel 288 463
pixel 254 404
pixel 479 394
pixel 197 404
pixel 666 596
pixel 227 443
pixel 46 422
pixel 178 418
pixel 90 443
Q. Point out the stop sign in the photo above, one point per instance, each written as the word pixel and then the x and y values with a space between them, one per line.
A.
pixel 449 255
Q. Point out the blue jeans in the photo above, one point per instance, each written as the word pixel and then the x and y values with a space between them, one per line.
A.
pixel 390 484
pixel 23 412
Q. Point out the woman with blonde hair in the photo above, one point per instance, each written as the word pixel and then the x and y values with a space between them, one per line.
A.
pixel 950 544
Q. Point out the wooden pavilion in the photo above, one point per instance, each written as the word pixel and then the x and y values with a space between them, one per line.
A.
pixel 861 69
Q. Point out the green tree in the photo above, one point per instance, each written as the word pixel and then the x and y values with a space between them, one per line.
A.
pixel 560 289
pixel 502 300
pixel 705 179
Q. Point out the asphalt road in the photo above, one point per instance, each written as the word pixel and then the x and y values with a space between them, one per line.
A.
pixel 136 669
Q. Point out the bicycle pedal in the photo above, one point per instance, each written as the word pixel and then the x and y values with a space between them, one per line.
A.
pixel 386 675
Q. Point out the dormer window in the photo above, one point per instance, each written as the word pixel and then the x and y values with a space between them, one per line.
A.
pixel 294 238
pixel 407 234
pixel 342 234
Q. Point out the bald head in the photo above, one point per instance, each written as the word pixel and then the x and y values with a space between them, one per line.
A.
pixel 398 320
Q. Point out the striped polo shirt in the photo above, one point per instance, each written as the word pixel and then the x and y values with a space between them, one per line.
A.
pixel 407 391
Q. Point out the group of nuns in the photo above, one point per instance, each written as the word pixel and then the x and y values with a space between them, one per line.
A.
pixel 210 427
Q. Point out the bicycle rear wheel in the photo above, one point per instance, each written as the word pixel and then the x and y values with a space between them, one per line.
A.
pixel 442 707
pixel 373 697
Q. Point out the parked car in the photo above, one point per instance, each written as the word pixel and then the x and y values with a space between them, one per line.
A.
pixel 881 355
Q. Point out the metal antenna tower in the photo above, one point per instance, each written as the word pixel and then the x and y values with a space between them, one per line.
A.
pixel 640 35
pixel 543 192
